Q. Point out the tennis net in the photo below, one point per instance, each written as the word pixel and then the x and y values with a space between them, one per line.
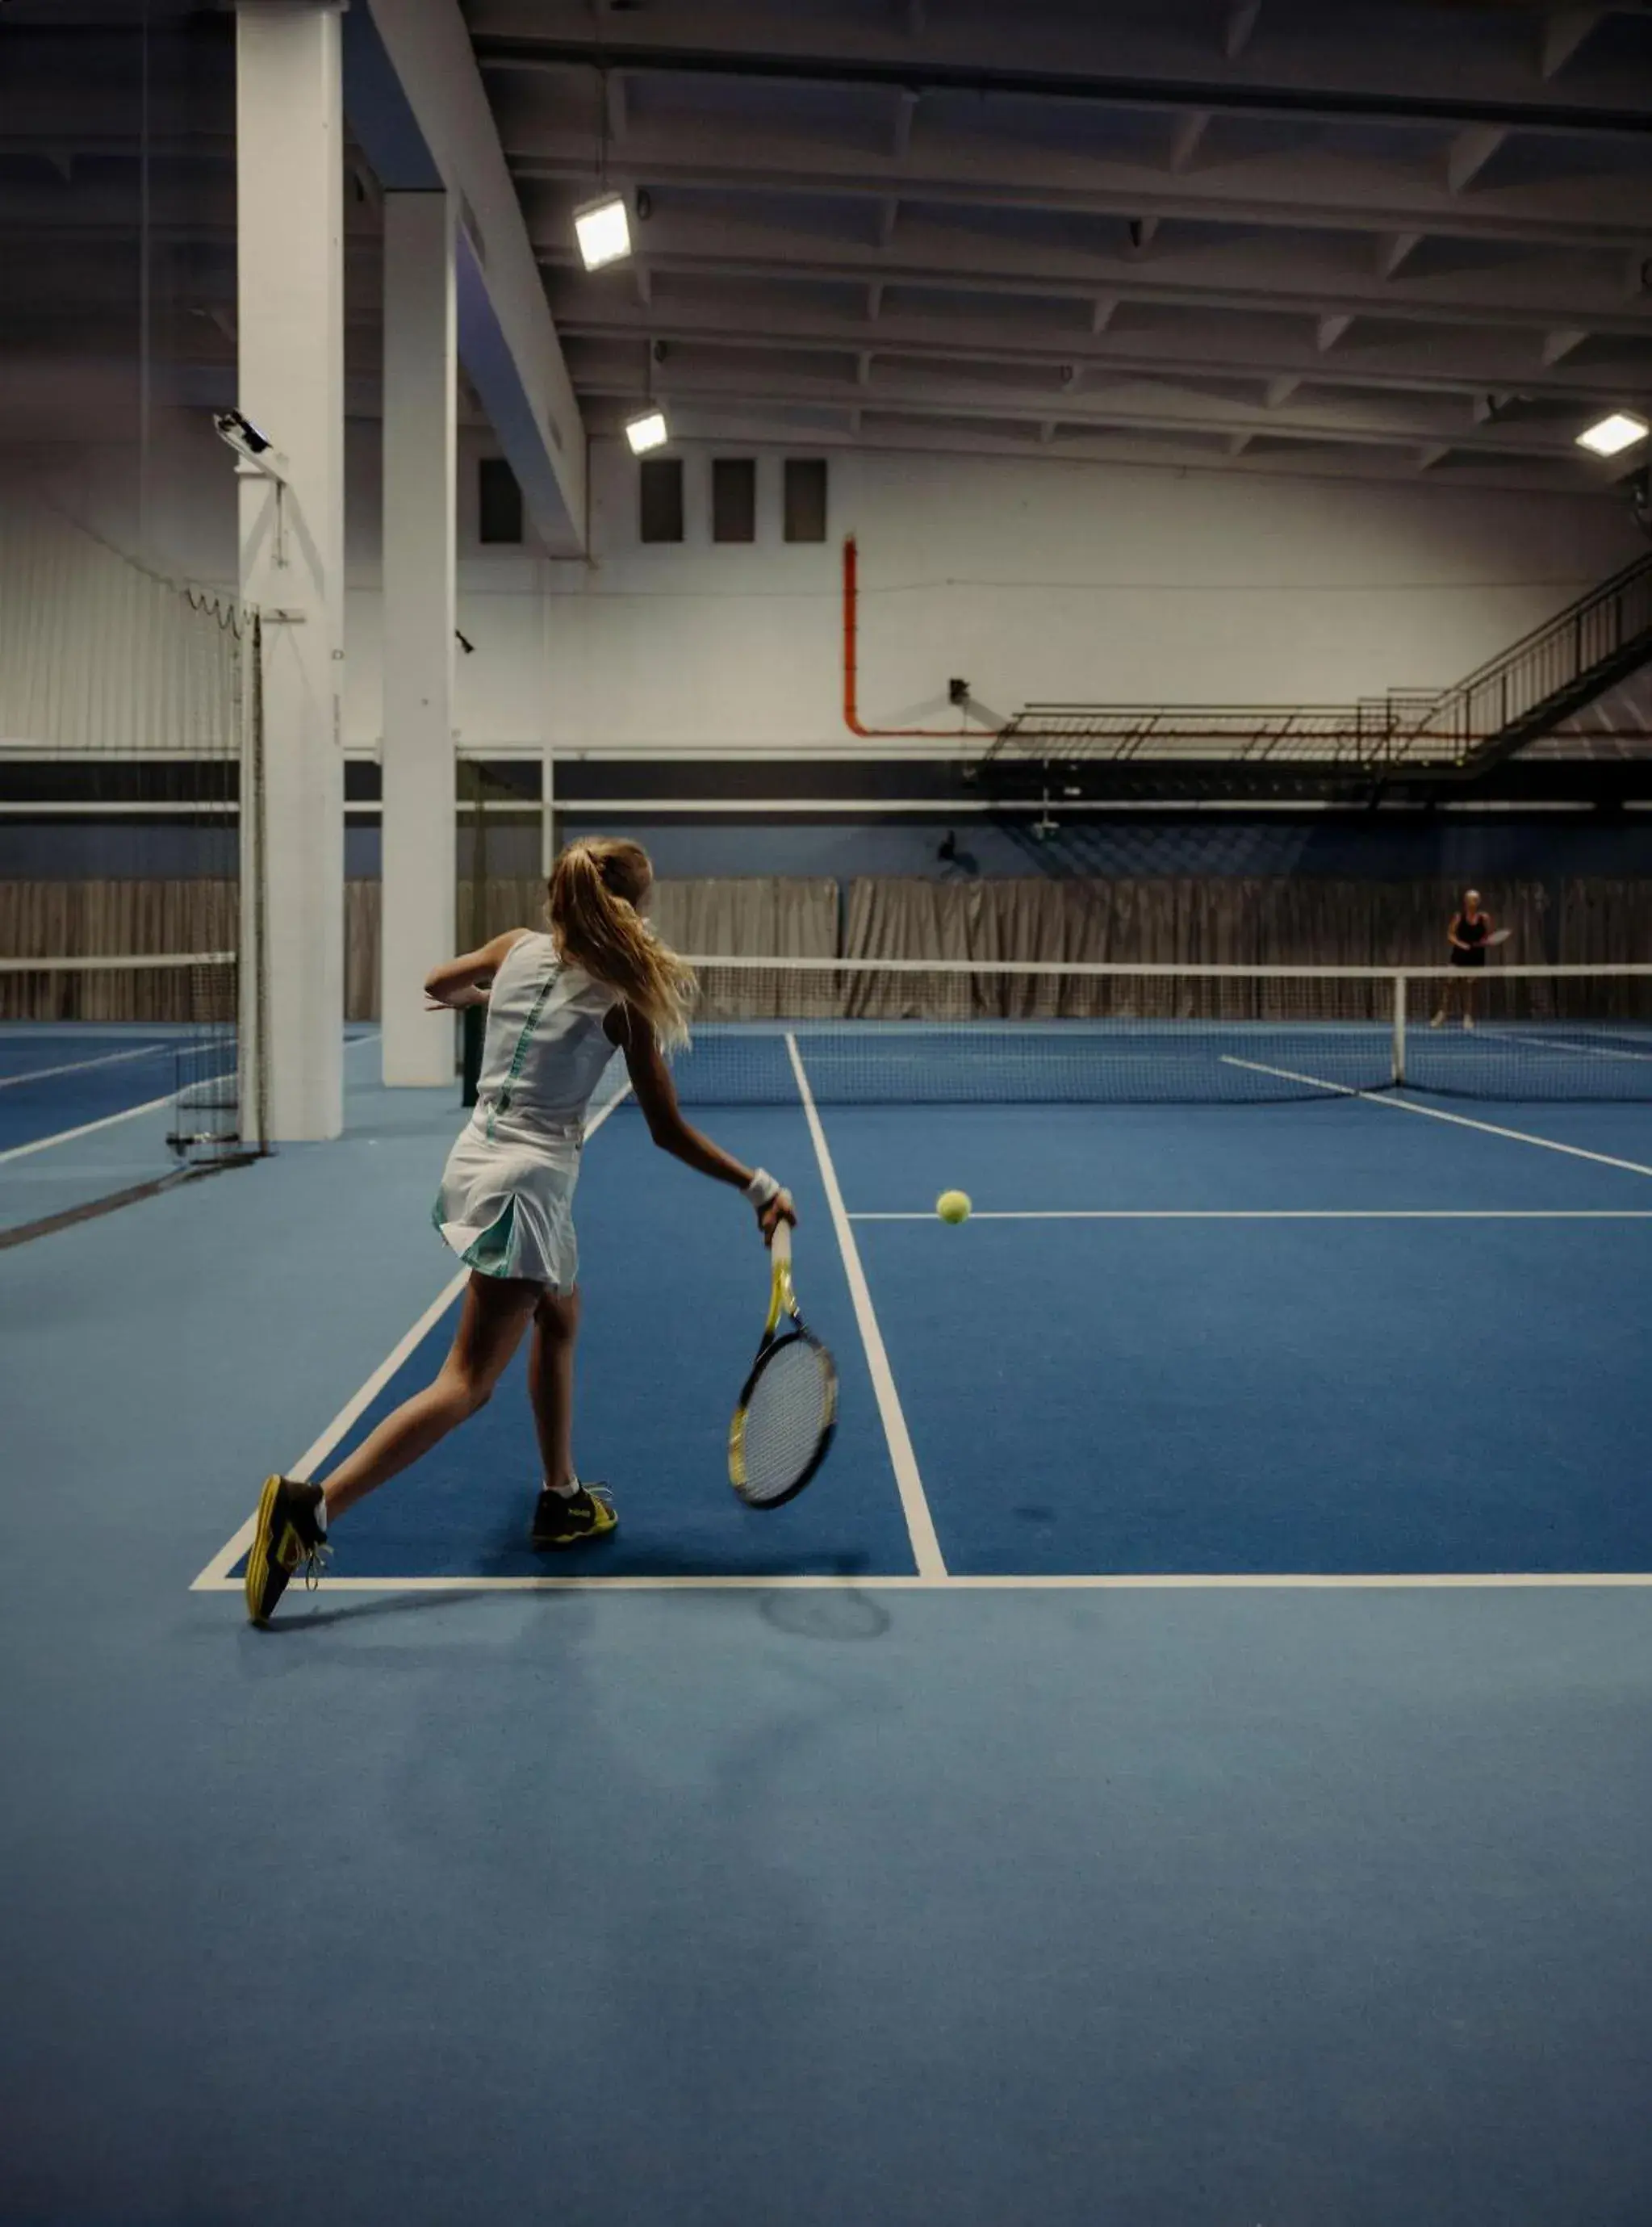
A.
pixel 915 1032
pixel 148 1038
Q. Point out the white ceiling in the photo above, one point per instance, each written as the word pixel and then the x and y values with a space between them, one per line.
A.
pixel 1378 239
pixel 1375 238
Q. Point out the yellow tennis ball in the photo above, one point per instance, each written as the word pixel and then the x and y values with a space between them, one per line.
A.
pixel 953 1206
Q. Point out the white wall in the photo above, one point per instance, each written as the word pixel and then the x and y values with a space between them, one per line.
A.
pixel 1034 580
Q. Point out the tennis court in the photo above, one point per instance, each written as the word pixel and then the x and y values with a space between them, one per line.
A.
pixel 1246 1726
pixel 1065 593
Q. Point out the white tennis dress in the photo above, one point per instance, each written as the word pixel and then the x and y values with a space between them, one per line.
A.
pixel 506 1204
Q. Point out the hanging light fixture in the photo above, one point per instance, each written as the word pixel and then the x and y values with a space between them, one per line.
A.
pixel 648 431
pixel 1610 436
pixel 603 231
pixel 603 226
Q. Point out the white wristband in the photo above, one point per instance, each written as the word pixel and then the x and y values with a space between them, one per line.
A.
pixel 762 1188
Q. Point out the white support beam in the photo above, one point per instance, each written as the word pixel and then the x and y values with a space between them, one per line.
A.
pixel 1279 391
pixel 1560 344
pixel 1103 311
pixel 1329 331
pixel 1239 27
pixel 1395 249
pixel 863 368
pixel 1435 453
pixel 1562 32
pixel 1185 142
pixel 289 197
pixel 420 373
pixel 1236 443
pixel 906 107
pixel 1046 431
pixel 511 350
pixel 874 301
pixel 889 212
pixel 1470 152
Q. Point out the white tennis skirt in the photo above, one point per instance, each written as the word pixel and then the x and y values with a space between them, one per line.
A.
pixel 506 1205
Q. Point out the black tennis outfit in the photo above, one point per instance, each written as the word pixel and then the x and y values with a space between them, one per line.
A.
pixel 1474 933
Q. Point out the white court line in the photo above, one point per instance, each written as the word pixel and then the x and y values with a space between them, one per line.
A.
pixel 1170 1581
pixel 1571 1044
pixel 86 1128
pixel 926 1547
pixel 215 1577
pixel 79 1066
pixel 1281 1214
pixel 1436 1113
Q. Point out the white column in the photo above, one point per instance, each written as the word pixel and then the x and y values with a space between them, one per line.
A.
pixel 419 851
pixel 290 226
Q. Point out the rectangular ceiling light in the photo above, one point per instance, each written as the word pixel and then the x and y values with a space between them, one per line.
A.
pixel 1609 437
pixel 647 432
pixel 603 231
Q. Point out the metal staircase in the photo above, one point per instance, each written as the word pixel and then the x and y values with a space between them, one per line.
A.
pixel 1410 736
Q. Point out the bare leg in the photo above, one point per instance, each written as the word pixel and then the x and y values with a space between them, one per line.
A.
pixel 551 1381
pixel 495 1314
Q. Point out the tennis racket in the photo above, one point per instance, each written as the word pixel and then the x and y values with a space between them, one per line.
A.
pixel 1497 936
pixel 789 1408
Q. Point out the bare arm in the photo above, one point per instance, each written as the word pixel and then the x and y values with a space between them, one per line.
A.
pixel 464 980
pixel 1452 935
pixel 657 1095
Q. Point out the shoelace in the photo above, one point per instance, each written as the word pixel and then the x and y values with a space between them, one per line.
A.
pixel 316 1563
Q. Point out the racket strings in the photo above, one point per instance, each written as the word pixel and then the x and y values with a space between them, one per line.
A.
pixel 791 1406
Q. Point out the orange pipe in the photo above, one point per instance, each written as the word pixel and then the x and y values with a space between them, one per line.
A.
pixel 851 633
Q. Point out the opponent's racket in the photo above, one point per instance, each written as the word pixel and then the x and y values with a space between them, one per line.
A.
pixel 1497 936
pixel 788 1407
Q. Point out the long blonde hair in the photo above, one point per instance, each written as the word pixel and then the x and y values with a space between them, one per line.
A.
pixel 597 887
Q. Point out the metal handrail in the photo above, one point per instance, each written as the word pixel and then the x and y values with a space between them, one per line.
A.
pixel 1407 727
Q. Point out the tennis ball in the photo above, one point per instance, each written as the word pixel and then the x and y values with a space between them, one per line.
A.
pixel 953 1206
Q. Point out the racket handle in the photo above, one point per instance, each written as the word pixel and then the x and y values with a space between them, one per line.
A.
pixel 779 1245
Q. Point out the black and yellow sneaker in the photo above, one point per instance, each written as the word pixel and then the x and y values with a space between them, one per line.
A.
pixel 564 1519
pixel 287 1535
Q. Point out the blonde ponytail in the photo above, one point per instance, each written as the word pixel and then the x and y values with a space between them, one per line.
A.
pixel 596 887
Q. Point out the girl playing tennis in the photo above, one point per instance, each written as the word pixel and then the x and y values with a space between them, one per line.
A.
pixel 557 1006
pixel 1468 935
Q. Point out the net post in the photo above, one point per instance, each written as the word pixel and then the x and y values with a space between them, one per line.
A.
pixel 252 991
pixel 1398 1065
pixel 473 1028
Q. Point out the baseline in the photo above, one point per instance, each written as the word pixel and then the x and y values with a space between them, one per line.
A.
pixel 942 1581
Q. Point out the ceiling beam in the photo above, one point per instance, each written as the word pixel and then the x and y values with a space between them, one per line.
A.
pixel 1240 27
pixel 1185 140
pixel 1165 410
pixel 1563 30
pixel 1469 151
pixel 1395 250
pixel 1242 274
pixel 1318 71
pixel 1291 187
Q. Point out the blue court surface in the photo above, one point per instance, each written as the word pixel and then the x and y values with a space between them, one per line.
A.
pixel 1184 1760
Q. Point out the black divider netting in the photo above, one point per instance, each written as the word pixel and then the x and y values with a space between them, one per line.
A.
pixel 884 1032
